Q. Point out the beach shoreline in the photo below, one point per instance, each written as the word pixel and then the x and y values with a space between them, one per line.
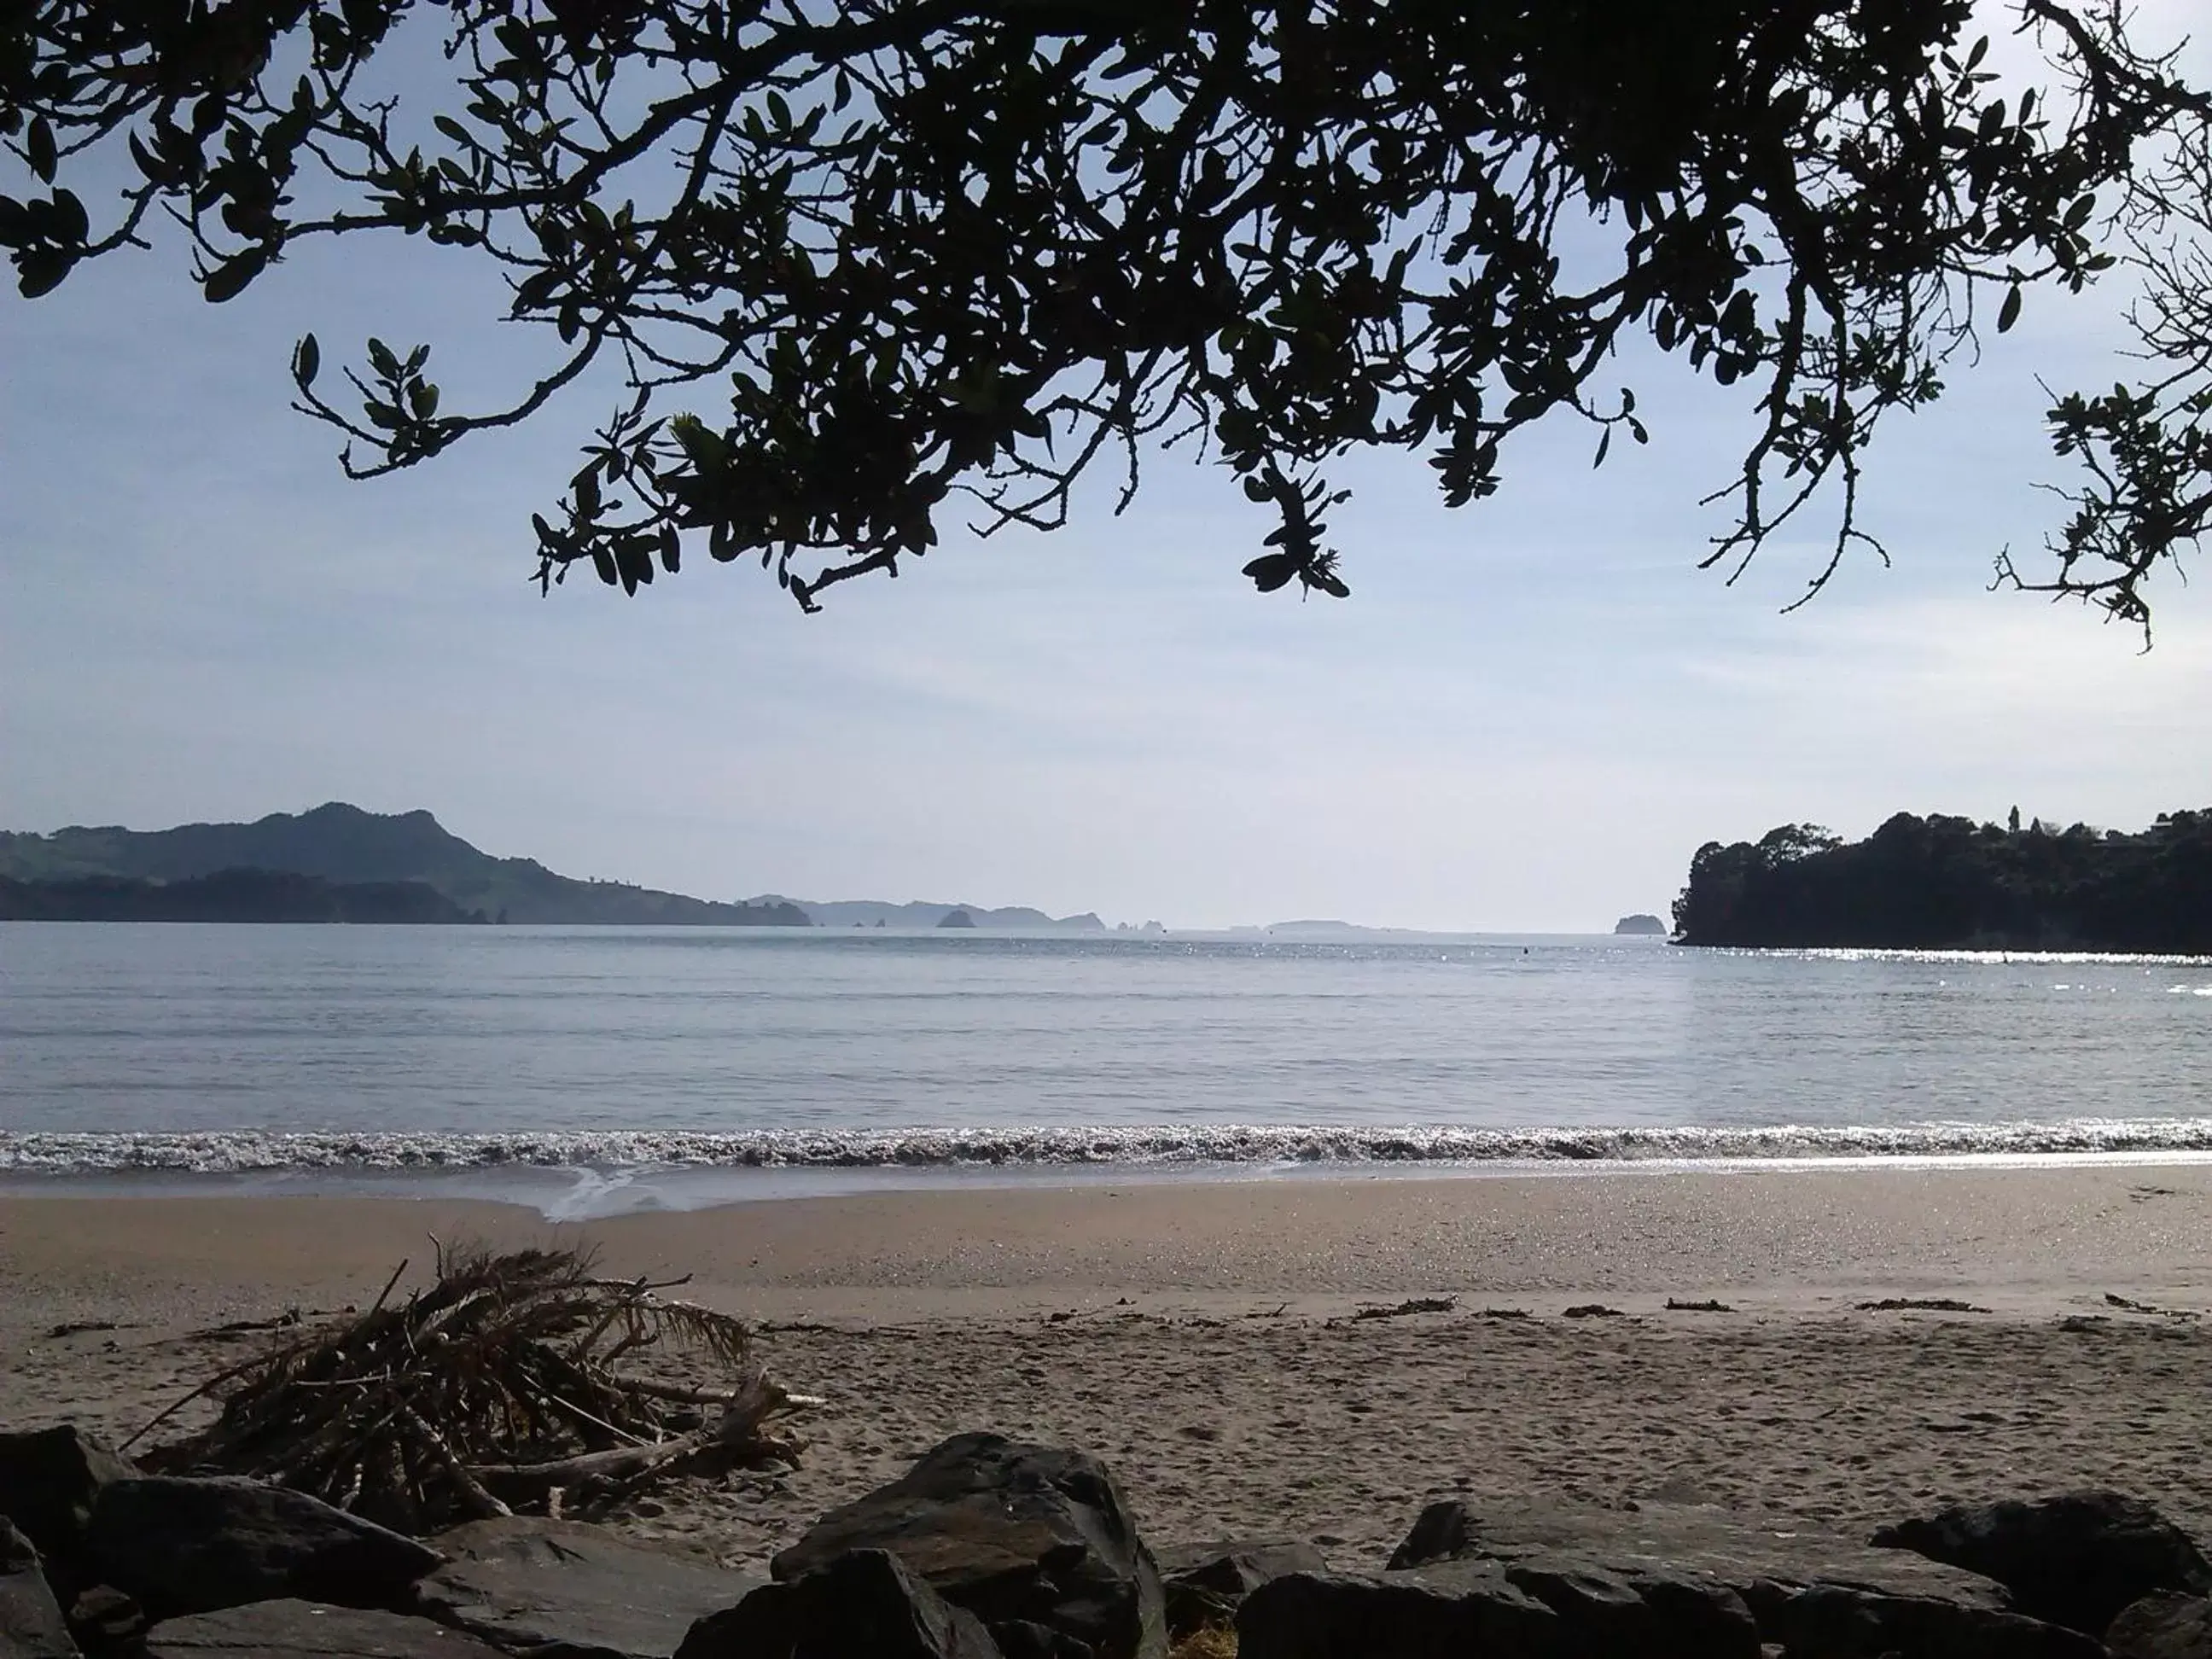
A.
pixel 2036 1237
pixel 1228 1348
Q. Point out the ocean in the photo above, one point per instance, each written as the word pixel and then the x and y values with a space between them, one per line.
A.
pixel 593 1069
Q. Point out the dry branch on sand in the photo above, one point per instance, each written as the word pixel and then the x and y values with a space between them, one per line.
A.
pixel 491 1391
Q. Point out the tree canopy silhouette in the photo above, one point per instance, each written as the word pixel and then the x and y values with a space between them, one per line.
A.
pixel 865 267
pixel 2146 448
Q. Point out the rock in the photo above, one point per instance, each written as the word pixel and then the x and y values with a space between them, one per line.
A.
pixel 524 1582
pixel 1840 1621
pixel 1705 1543
pixel 1463 1607
pixel 1033 1540
pixel 49 1480
pixel 1445 1531
pixel 103 1619
pixel 1648 1613
pixel 288 1629
pixel 865 1602
pixel 2075 1559
pixel 2162 1627
pixel 31 1623
pixel 185 1546
pixel 1204 1584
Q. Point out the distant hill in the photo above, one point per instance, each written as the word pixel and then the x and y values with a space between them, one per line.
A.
pixel 1640 924
pixel 1947 883
pixel 344 845
pixel 875 913
pixel 262 896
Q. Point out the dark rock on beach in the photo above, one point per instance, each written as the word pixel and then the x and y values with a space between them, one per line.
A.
pixel 1206 1583
pixel 1841 1621
pixel 863 1603
pixel 188 1546
pixel 1678 1579
pixel 2162 1627
pixel 562 1587
pixel 1649 1612
pixel 1566 1612
pixel 31 1623
pixel 2075 1559
pixel 1034 1540
pixel 105 1620
pixel 49 1482
pixel 289 1628
pixel 1463 1607
pixel 1690 1538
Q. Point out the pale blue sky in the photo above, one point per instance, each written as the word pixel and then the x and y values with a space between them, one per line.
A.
pixel 1529 716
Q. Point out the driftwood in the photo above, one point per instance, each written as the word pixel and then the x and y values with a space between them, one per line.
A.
pixel 491 1391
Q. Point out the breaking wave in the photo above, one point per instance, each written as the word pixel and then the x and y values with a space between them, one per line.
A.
pixel 254 1151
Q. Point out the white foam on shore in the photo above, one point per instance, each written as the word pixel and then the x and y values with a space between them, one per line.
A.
pixel 611 1152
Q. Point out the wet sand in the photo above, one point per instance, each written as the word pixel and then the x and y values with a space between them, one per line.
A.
pixel 1207 1339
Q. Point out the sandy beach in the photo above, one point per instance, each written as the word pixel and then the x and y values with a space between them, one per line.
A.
pixel 1220 1343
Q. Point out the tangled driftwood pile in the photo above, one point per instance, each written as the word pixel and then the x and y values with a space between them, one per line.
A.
pixel 492 1391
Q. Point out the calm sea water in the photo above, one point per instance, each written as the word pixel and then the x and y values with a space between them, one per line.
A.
pixel 337 1049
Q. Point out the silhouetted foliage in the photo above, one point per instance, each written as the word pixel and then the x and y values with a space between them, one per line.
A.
pixel 2147 448
pixel 867 264
pixel 1945 883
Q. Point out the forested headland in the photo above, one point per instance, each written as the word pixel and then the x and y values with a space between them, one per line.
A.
pixel 1941 882
pixel 351 852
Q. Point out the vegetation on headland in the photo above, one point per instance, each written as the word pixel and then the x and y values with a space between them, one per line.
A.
pixel 228 895
pixel 343 845
pixel 1942 883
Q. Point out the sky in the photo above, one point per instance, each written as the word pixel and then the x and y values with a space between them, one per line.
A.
pixel 1528 718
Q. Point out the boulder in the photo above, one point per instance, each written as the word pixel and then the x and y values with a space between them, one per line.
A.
pixel 1648 1613
pixel 105 1620
pixel 560 1586
pixel 1463 1607
pixel 287 1629
pixel 31 1624
pixel 2162 1627
pixel 183 1546
pixel 1840 1621
pixel 1033 1540
pixel 1694 1539
pixel 2075 1559
pixel 1689 1579
pixel 49 1480
pixel 1204 1584
pixel 863 1603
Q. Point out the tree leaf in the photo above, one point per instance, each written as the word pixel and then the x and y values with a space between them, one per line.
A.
pixel 40 272
pixel 229 280
pixel 39 149
pixel 71 224
pixel 307 362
